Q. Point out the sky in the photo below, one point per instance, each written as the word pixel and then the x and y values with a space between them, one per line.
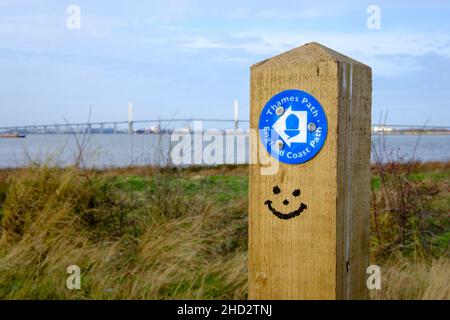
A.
pixel 191 58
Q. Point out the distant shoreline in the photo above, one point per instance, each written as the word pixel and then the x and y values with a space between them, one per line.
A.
pixel 221 168
pixel 412 133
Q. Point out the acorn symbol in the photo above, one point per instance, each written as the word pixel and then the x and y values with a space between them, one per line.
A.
pixel 292 124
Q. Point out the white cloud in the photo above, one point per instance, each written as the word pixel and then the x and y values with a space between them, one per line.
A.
pixel 384 66
pixel 203 43
pixel 282 13
pixel 372 48
pixel 365 44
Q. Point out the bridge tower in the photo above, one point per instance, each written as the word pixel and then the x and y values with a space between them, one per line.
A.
pixel 236 114
pixel 130 118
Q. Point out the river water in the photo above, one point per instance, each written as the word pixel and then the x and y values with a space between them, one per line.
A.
pixel 109 150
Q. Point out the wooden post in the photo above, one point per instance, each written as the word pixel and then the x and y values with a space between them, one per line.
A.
pixel 323 253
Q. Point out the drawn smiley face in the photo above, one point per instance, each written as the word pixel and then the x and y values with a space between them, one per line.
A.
pixel 276 191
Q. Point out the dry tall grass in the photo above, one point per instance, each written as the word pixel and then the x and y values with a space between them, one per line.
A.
pixel 410 224
pixel 149 234
pixel 157 243
pixel 404 279
pixel 410 211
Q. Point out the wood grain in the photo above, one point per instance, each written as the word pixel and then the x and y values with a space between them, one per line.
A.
pixel 323 253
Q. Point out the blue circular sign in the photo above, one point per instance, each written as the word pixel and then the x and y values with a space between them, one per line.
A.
pixel 293 126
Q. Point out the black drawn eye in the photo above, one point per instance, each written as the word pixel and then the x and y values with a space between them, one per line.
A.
pixel 296 192
pixel 276 190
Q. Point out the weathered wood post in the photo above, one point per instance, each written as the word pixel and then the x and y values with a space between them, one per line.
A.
pixel 309 221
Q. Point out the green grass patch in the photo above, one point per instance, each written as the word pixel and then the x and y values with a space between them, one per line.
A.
pixel 130 183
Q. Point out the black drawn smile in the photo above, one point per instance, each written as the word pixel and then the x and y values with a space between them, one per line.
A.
pixel 276 191
pixel 289 215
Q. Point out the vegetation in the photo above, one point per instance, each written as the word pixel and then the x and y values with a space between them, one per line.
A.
pixel 142 233
pixel 410 211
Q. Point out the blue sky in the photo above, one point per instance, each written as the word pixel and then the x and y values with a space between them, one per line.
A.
pixel 191 58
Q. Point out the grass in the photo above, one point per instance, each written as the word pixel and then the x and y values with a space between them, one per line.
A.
pixel 141 233
pixel 148 236
pixel 403 279
pixel 410 211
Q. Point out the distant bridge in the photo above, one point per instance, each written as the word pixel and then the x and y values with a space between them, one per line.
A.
pixel 105 126
pixel 116 127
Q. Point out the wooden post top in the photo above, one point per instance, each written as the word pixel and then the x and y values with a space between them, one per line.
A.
pixel 312 52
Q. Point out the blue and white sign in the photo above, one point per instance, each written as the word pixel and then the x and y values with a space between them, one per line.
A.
pixel 293 126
